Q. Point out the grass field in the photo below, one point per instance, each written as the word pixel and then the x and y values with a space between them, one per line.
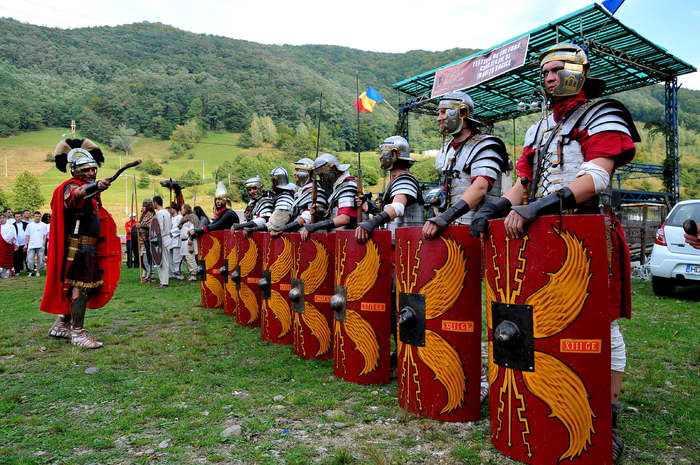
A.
pixel 174 376
pixel 28 151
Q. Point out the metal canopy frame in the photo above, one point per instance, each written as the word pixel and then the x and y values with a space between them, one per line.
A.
pixel 618 54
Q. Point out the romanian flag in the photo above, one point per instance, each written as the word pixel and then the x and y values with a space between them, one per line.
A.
pixel 368 99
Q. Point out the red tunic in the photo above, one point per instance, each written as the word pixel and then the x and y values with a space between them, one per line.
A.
pixel 610 144
pixel 55 299
pixel 7 253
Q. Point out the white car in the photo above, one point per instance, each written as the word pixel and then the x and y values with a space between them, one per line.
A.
pixel 673 261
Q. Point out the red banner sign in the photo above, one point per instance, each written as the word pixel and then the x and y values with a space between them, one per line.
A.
pixel 480 68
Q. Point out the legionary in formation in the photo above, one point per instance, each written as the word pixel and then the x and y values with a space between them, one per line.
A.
pixel 84 250
pixel 283 192
pixel 402 200
pixel 342 211
pixel 567 163
pixel 470 164
pixel 260 205
pixel 225 217
pixel 305 197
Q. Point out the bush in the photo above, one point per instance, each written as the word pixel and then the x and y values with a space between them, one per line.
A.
pixel 144 182
pixel 151 167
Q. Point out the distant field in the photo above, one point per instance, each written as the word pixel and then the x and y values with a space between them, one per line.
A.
pixel 28 151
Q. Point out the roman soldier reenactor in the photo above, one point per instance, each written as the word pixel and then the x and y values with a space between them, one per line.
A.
pixel 342 211
pixel 305 197
pixel 402 200
pixel 283 192
pixel 84 250
pixel 567 164
pixel 260 205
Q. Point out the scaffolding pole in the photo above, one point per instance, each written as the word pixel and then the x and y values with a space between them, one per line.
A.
pixel 672 156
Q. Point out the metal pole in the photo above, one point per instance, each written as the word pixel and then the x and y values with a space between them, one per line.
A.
pixel 671 104
pixel 202 170
pixel 126 195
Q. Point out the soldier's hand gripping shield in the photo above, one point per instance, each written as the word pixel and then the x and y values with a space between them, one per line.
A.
pixel 438 291
pixel 361 308
pixel 211 262
pixel 310 295
pixel 549 340
pixel 276 313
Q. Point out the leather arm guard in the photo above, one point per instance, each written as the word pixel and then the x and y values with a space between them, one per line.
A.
pixel 374 222
pixel 90 188
pixel 489 211
pixel 291 227
pixel 249 224
pixel 256 228
pixel 325 224
pixel 563 199
pixel 451 214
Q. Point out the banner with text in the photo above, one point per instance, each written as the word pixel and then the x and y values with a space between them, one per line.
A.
pixel 481 68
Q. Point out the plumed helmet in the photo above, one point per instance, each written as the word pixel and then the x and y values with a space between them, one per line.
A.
pixel 280 179
pixel 325 161
pixel 220 192
pixel 453 103
pixel 387 147
pixel 78 154
pixel 302 170
pixel 572 78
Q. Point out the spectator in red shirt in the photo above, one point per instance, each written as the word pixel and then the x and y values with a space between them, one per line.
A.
pixel 132 260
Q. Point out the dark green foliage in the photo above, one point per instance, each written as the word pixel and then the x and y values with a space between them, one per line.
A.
pixel 150 167
pixel 4 203
pixel 26 192
pixel 144 182
pixel 190 178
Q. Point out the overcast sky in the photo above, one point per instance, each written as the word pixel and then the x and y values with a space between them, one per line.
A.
pixel 385 26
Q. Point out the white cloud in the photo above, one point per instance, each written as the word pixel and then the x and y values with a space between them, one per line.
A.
pixel 691 81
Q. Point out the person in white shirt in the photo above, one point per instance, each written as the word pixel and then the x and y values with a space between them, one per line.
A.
pixel 176 243
pixel 188 248
pixel 8 243
pixel 35 238
pixel 165 223
pixel 20 253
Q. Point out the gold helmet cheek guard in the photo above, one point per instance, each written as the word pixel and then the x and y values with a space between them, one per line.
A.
pixel 573 75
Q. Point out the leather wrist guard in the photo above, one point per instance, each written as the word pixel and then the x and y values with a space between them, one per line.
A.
pixel 90 188
pixel 248 224
pixel 556 202
pixel 291 227
pixel 325 224
pixel 198 231
pixel 451 214
pixel 256 228
pixel 489 211
pixel 376 221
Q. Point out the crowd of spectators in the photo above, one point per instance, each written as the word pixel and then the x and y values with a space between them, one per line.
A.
pixel 25 236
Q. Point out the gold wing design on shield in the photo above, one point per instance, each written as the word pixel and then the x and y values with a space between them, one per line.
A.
pixel 211 283
pixel 318 325
pixel 445 363
pixel 314 275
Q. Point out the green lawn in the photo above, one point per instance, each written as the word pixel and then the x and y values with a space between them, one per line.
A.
pixel 174 376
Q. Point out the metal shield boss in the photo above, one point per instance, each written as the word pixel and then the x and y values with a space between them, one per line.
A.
pixel 244 275
pixel 276 313
pixel 549 340
pixel 310 295
pixel 362 308
pixel 438 295
pixel 211 259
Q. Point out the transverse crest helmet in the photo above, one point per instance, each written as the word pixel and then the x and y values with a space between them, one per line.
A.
pixel 78 154
pixel 453 103
pixel 221 192
pixel 573 77
pixel 387 148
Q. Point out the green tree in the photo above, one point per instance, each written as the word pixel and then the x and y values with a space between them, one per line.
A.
pixel 186 136
pixel 151 167
pixel 190 178
pixel 196 109
pixel 144 181
pixel 254 135
pixel 4 203
pixel 26 192
pixel 269 130
pixel 123 140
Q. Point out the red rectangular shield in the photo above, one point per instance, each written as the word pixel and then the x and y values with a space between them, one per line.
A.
pixel 438 292
pixel 312 282
pixel 244 277
pixel 211 257
pixel 549 340
pixel 276 313
pixel 362 308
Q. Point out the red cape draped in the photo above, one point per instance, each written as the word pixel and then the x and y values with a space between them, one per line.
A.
pixel 108 256
pixel 7 253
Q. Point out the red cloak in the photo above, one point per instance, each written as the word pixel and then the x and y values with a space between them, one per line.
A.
pixel 108 256
pixel 7 253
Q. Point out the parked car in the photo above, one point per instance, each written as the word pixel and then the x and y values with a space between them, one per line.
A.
pixel 672 260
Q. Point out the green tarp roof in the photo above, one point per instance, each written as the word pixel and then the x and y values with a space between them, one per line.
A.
pixel 618 54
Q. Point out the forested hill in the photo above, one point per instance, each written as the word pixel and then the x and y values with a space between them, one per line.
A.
pixel 151 77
